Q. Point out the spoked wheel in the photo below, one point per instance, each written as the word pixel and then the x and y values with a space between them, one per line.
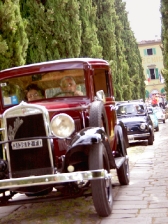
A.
pixel 102 188
pixel 123 173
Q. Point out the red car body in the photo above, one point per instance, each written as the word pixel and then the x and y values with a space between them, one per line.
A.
pixel 31 146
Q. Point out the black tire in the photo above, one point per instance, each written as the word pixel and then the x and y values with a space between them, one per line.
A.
pixel 123 173
pixel 157 128
pixel 150 139
pixel 163 121
pixel 102 188
pixel 98 117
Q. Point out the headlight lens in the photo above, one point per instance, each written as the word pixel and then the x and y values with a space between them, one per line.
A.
pixel 143 126
pixel 62 125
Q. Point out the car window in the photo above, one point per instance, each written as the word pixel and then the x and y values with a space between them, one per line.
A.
pixel 133 109
pixel 101 81
pixel 13 90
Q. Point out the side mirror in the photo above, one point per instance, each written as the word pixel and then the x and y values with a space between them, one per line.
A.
pixel 101 96
pixel 150 112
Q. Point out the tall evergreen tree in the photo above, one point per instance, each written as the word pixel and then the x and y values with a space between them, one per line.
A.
pixel 164 37
pixel 134 78
pixel 122 78
pixel 13 38
pixel 105 24
pixel 90 45
pixel 54 29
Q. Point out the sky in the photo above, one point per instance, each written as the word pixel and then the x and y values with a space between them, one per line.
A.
pixel 145 18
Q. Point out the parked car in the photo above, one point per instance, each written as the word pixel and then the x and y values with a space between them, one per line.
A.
pixel 160 114
pixel 154 118
pixel 62 136
pixel 135 116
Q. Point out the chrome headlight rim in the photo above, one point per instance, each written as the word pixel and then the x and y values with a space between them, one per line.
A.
pixel 62 126
pixel 143 126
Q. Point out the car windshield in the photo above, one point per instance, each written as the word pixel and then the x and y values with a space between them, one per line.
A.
pixel 41 86
pixel 130 109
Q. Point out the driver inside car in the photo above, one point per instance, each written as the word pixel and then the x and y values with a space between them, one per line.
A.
pixel 68 86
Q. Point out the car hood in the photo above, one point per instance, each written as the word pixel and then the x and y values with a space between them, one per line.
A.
pixel 133 119
pixel 66 104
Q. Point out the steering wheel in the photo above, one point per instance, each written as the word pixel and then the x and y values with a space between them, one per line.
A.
pixel 64 94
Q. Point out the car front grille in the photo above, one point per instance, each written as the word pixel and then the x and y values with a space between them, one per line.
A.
pixel 27 159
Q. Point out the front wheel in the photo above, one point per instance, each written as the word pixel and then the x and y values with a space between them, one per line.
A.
pixel 157 128
pixel 102 188
pixel 150 139
pixel 123 173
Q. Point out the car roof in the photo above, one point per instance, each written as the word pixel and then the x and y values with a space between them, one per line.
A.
pixel 129 103
pixel 61 64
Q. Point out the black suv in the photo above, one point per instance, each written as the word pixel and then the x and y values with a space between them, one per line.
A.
pixel 134 115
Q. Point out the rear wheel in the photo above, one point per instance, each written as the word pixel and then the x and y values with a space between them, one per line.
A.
pixel 123 173
pixel 102 188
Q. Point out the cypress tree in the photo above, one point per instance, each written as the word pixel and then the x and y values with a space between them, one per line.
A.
pixel 164 37
pixel 54 29
pixel 134 78
pixel 122 78
pixel 13 38
pixel 90 45
pixel 105 24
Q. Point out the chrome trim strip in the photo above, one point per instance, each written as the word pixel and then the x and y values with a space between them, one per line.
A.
pixel 53 179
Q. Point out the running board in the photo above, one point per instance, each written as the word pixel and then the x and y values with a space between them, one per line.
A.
pixel 119 161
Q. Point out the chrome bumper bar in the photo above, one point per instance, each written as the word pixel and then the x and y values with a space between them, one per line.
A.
pixel 53 179
pixel 136 136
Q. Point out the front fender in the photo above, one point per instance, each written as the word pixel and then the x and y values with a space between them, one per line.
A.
pixel 122 137
pixel 88 136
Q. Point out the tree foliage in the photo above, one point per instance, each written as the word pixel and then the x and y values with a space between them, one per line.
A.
pixel 59 29
pixel 164 37
pixel 13 38
pixel 90 46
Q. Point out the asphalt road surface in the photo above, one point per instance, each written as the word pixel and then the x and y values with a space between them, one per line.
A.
pixel 143 201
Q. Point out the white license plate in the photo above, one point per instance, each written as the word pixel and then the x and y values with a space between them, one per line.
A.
pixel 27 144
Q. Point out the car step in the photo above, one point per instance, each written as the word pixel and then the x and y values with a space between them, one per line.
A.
pixel 119 161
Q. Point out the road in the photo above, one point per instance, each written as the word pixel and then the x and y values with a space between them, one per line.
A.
pixel 143 201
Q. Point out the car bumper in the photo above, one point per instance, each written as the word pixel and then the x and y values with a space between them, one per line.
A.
pixel 138 136
pixel 53 179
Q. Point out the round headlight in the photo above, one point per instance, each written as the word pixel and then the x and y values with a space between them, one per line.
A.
pixel 143 126
pixel 62 125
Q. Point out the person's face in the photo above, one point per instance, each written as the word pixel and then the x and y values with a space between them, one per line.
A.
pixel 33 95
pixel 68 85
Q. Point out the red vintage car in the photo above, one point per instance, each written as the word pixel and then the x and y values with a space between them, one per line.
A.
pixel 60 131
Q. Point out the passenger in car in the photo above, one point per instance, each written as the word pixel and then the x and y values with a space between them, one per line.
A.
pixel 33 92
pixel 68 86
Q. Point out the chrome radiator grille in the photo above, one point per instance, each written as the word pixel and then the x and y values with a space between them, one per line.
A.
pixel 28 157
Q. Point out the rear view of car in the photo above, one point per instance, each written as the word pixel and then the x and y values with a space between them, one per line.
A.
pixel 160 114
pixel 154 118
